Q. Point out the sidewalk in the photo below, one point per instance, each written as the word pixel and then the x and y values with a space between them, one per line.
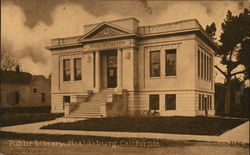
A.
pixel 239 134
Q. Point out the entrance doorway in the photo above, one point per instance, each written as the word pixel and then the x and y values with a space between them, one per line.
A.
pixel 112 69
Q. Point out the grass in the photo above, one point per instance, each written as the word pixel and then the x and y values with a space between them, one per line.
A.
pixel 172 125
pixel 24 118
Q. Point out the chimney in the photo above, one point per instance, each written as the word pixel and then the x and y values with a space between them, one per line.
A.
pixel 17 68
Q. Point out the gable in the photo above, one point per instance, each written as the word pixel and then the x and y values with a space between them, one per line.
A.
pixel 105 31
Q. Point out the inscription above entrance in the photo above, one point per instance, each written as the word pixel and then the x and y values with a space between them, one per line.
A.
pixel 108 45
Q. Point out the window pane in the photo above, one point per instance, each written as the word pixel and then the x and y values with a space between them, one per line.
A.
pixel 210 102
pixel 170 102
pixel 43 97
pixel 199 63
pixel 66 70
pixel 67 64
pixel 66 75
pixel 17 97
pixel 199 101
pixel 202 65
pixel 171 62
pixel 153 102
pixel 77 69
pixel 66 99
pixel 155 57
pixel 203 103
pixel 208 65
pixel 210 68
pixel 34 90
pixel 78 63
pixel 205 67
pixel 155 63
pixel 112 60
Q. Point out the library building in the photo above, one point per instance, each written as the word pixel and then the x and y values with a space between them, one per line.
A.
pixel 120 68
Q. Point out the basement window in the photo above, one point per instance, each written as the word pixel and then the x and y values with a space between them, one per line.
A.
pixel 34 90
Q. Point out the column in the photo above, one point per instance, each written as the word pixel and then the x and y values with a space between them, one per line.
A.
pixel 97 71
pixel 119 67
pixel 162 63
pixel 72 71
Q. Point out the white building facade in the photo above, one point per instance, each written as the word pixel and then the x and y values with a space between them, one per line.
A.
pixel 120 68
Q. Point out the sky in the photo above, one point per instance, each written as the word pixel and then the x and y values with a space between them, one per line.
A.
pixel 28 25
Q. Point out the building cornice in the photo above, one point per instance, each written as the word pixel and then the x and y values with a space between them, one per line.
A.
pixel 176 28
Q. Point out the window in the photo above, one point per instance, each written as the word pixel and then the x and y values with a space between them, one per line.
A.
pixel 155 64
pixel 205 66
pixel 200 103
pixel 210 102
pixel 171 62
pixel 66 70
pixel 208 65
pixel 43 97
pixel 206 103
pixel 154 102
pixel 66 99
pixel 77 69
pixel 170 102
pixel 210 68
pixel 34 90
pixel 203 103
pixel 17 97
pixel 199 63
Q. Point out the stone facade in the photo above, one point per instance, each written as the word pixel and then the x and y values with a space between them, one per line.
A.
pixel 117 55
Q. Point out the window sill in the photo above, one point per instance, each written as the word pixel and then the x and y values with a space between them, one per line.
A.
pixel 157 77
pixel 170 76
pixel 77 81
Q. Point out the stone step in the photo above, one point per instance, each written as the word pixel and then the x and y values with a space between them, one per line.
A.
pixel 89 108
pixel 98 100
pixel 86 112
pixel 85 107
pixel 84 116
pixel 88 105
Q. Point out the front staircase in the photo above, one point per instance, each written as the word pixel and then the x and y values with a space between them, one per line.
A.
pixel 91 107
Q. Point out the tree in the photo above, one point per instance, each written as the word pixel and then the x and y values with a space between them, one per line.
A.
pixel 234 49
pixel 244 56
pixel 8 59
pixel 211 29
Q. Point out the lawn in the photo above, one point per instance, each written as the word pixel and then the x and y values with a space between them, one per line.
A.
pixel 24 118
pixel 172 125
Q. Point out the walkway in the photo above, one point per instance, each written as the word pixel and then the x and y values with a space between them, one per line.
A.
pixel 239 134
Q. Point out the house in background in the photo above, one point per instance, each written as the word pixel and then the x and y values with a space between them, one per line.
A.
pixel 121 68
pixel 20 91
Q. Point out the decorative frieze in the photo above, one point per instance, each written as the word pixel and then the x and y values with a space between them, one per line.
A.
pixel 107 32
pixel 162 47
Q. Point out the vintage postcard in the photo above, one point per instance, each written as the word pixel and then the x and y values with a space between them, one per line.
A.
pixel 124 77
